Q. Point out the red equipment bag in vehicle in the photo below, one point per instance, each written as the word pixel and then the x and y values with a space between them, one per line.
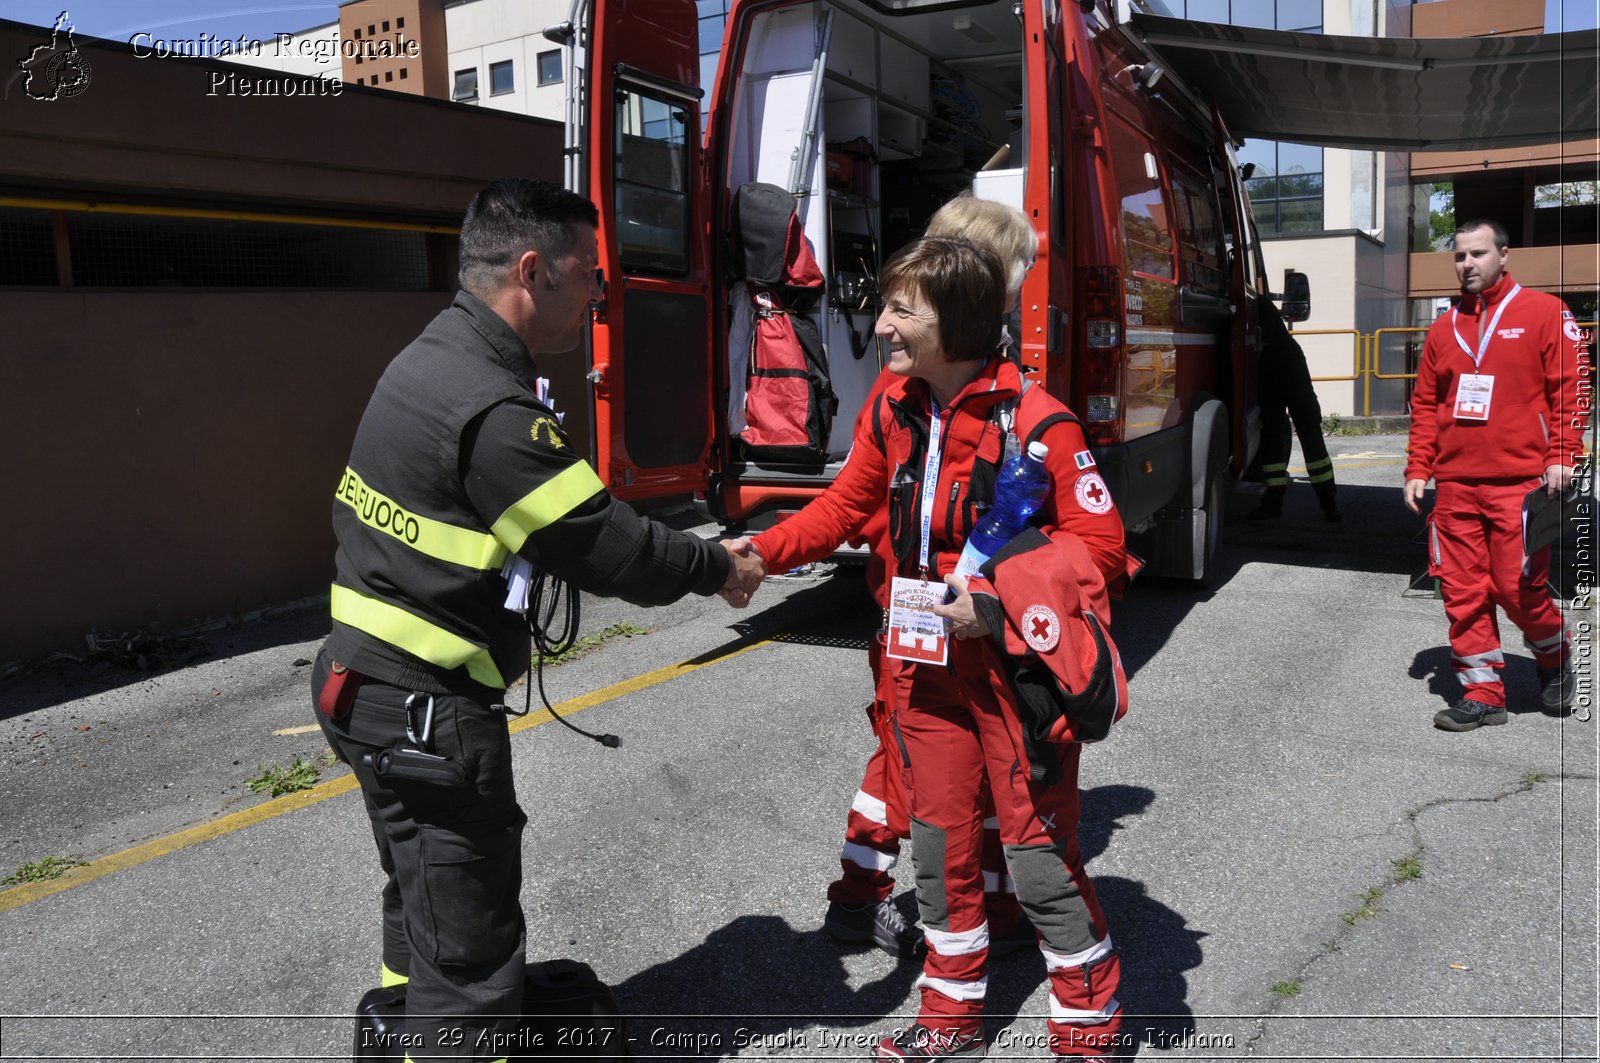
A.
pixel 1047 606
pixel 789 400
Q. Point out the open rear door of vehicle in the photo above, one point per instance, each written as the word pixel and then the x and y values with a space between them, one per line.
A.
pixel 634 138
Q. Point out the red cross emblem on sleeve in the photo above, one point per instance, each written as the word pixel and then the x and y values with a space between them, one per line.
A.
pixel 1093 495
pixel 1041 628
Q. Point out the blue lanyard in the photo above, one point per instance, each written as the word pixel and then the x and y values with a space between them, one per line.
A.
pixel 1483 341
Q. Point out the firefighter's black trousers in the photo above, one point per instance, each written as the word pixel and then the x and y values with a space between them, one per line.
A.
pixel 452 920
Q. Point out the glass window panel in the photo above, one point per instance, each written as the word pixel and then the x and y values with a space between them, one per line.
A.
pixel 708 75
pixel 1209 10
pixel 466 85
pixel 1261 189
pixel 1299 158
pixel 502 79
pixel 1264 153
pixel 711 33
pixel 711 7
pixel 1300 215
pixel 1292 185
pixel 652 163
pixel 1146 226
pixel 1303 15
pixel 1258 13
pixel 549 67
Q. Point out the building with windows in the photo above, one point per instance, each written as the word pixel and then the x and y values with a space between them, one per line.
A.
pixel 500 58
pixel 1545 195
pixel 491 53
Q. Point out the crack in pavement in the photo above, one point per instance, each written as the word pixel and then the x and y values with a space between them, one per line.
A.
pixel 1368 910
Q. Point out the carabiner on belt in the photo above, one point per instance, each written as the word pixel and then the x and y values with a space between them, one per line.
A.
pixel 422 743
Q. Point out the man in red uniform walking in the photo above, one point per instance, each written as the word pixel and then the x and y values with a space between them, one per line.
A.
pixel 1495 414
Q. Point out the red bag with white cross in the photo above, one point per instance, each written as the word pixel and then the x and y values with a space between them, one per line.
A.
pixel 1047 606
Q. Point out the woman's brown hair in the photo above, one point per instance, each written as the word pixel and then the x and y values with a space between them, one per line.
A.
pixel 962 283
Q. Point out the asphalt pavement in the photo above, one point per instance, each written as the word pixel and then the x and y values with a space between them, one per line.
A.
pixel 1294 862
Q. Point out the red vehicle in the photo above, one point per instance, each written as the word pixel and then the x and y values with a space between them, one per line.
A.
pixel 1139 314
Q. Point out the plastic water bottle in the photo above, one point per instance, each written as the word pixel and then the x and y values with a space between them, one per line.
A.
pixel 1019 491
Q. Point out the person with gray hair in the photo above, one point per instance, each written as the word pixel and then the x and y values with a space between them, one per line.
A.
pixel 462 487
pixel 1004 230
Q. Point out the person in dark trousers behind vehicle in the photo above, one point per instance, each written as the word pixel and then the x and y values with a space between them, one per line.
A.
pixel 457 475
pixel 1286 382
pixel 1495 413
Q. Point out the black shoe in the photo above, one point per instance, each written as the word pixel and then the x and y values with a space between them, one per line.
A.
pixel 879 924
pixel 1468 715
pixel 1266 511
pixel 1330 513
pixel 1556 688
pixel 924 1042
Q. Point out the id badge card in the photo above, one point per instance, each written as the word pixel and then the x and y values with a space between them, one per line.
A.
pixel 1472 397
pixel 915 632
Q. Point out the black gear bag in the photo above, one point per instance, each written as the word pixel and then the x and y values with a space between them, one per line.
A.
pixel 567 1013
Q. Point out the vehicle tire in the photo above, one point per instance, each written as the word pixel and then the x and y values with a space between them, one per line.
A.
pixel 1210 492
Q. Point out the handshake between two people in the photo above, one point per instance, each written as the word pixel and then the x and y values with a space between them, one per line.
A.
pixel 745 572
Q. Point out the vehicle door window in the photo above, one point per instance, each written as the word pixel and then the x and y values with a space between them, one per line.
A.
pixel 652 181
pixel 1199 229
pixel 1146 221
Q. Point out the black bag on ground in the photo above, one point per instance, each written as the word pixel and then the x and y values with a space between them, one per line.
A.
pixel 567 1013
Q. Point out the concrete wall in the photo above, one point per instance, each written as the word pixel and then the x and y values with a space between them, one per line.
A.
pixel 1477 18
pixel 493 31
pixel 171 453
pixel 1329 261
pixel 1575 267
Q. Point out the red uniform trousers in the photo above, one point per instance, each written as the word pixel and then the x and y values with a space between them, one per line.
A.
pixel 955 729
pixel 878 821
pixel 1477 545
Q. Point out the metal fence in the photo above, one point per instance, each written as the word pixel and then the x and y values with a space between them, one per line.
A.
pixel 1371 351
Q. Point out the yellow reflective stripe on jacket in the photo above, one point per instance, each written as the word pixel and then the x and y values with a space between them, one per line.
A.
pixel 446 542
pixel 413 634
pixel 546 504
pixel 388 976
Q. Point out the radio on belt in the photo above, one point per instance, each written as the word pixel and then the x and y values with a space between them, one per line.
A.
pixel 410 761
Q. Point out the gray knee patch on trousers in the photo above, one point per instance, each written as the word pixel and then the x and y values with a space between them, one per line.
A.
pixel 1050 896
pixel 927 858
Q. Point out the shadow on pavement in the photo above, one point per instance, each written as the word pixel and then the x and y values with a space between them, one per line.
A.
pixel 124 660
pixel 1519 676
pixel 1156 943
pixel 758 983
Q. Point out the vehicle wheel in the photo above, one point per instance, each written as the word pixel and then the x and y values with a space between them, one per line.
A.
pixel 1210 538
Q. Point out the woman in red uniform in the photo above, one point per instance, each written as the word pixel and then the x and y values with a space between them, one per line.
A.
pixel 859 904
pixel 955 722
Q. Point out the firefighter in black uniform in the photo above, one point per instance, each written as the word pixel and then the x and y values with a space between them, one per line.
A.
pixel 458 471
pixel 1286 382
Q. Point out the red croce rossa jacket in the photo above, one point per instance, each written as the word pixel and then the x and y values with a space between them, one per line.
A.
pixel 1535 418
pixel 855 504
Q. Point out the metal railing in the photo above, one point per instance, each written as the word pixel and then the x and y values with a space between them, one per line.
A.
pixel 1367 348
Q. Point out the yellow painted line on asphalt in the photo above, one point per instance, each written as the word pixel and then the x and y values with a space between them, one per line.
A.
pixel 630 686
pixel 17 896
pixel 307 729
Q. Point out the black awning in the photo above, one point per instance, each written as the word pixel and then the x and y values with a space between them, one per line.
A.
pixel 1388 93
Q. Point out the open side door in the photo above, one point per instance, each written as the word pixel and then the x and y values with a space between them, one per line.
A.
pixel 1245 267
pixel 634 125
pixel 1048 50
